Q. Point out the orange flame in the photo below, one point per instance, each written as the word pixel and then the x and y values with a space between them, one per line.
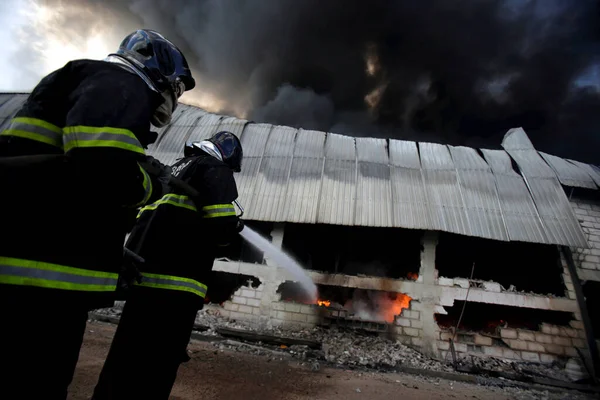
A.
pixel 395 307
pixel 324 303
pixel 412 276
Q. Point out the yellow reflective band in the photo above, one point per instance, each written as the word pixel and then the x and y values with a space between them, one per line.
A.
pixel 15 271
pixel 219 210
pixel 169 282
pixel 89 136
pixel 35 129
pixel 147 183
pixel 172 199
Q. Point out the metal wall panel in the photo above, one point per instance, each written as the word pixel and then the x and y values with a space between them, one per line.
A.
pixel 338 191
pixel 479 192
pixel 409 197
pixel 569 174
pixel 270 192
pixel 521 218
pixel 373 190
pixel 254 140
pixel 306 175
pixel 447 206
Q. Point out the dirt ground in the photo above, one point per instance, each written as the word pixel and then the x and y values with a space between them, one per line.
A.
pixel 237 375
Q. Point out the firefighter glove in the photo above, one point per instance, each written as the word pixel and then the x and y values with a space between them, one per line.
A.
pixel 240 226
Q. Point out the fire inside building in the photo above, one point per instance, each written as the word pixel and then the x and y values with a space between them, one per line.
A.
pixel 446 249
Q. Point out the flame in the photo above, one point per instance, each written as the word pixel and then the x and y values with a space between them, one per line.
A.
pixel 412 276
pixel 324 303
pixel 374 97
pixel 372 63
pixel 395 307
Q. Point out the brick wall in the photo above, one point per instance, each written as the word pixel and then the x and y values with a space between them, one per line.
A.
pixel 545 345
pixel 244 305
pixel 408 327
pixel 588 214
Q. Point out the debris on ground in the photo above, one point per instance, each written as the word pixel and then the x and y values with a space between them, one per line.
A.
pixel 351 348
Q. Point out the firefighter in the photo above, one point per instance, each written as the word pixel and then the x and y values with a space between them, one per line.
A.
pixel 178 237
pixel 64 221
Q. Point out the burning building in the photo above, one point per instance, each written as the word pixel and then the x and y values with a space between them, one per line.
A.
pixel 441 247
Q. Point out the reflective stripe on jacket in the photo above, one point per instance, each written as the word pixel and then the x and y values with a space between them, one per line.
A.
pixel 170 282
pixel 177 200
pixel 16 271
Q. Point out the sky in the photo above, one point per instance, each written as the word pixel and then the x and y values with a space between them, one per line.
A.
pixel 460 72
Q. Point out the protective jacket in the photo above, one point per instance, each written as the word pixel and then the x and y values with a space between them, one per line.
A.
pixel 178 235
pixel 65 221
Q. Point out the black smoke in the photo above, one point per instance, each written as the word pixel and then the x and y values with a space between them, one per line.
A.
pixel 457 72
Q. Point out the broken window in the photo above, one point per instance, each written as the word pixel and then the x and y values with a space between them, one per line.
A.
pixel 385 252
pixel 222 285
pixel 526 267
pixel 591 291
pixel 484 317
pixel 240 250
pixel 353 303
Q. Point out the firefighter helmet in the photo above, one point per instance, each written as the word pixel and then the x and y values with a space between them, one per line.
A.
pixel 160 59
pixel 226 143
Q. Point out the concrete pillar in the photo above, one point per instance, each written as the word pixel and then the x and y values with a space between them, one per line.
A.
pixel 429 296
pixel 277 235
pixel 270 282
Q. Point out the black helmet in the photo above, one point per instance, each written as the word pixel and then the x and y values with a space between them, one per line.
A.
pixel 160 59
pixel 228 145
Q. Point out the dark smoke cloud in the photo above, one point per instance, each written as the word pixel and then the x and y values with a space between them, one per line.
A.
pixel 457 72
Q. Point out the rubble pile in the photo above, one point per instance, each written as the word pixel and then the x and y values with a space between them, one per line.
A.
pixel 554 371
pixel 354 348
pixel 340 346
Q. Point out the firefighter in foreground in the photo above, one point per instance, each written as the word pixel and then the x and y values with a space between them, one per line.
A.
pixel 65 220
pixel 178 237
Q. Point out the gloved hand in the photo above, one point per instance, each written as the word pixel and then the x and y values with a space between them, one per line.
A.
pixel 240 226
pixel 158 169
pixel 130 270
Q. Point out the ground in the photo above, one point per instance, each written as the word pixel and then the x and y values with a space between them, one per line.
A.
pixel 229 375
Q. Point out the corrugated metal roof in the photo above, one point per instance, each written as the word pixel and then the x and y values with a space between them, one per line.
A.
pixel 518 209
pixel 517 144
pixel 207 126
pixel 254 141
pixel 409 197
pixel 304 186
pixel 561 225
pixel 555 211
pixel 314 177
pixel 447 207
pixel 169 146
pixel 568 173
pixel 233 125
pixel 338 189
pixel 478 188
pixel 9 105
pixel 270 192
pixel 517 139
pixel 593 172
pixel 373 190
